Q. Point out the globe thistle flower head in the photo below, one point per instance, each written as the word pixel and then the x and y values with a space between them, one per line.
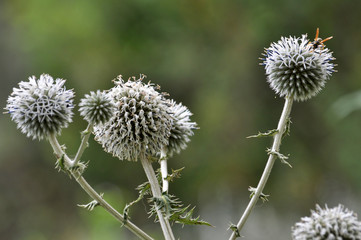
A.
pixel 97 107
pixel 141 123
pixel 41 107
pixel 296 69
pixel 182 128
pixel 334 223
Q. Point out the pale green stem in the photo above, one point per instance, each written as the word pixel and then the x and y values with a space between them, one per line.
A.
pixel 164 170
pixel 93 194
pixel 154 185
pixel 271 160
pixel 83 144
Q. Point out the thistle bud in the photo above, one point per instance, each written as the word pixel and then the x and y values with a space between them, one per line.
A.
pixel 96 108
pixel 296 69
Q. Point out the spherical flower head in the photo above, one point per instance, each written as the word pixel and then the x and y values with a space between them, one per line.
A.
pixel 294 68
pixel 334 223
pixel 97 107
pixel 41 107
pixel 141 123
pixel 182 128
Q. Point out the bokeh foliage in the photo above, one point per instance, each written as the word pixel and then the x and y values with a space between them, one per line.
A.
pixel 205 54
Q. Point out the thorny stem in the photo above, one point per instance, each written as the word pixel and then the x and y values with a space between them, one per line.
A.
pixel 93 194
pixel 164 170
pixel 271 160
pixel 83 144
pixel 149 172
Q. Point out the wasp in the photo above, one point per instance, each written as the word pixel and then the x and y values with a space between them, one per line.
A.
pixel 319 42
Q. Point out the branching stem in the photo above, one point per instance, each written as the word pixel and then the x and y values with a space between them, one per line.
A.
pixel 83 144
pixel 266 172
pixel 149 172
pixel 93 194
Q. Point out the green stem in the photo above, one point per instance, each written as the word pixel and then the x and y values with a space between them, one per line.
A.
pixel 83 144
pixel 93 194
pixel 271 160
pixel 154 185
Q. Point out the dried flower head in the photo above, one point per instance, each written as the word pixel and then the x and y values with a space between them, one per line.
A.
pixel 182 128
pixel 141 123
pixel 334 223
pixel 296 69
pixel 96 108
pixel 41 107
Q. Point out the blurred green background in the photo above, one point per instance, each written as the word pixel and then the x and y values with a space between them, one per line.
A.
pixel 204 54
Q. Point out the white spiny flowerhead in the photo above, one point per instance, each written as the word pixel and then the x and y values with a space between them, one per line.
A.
pixel 141 123
pixel 97 107
pixel 297 69
pixel 182 128
pixel 41 107
pixel 325 224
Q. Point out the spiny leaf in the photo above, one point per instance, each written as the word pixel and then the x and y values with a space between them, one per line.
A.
pixel 90 206
pixel 183 217
pixel 270 133
pixel 173 209
pixel 288 128
pixel 234 228
pixel 79 168
pixel 175 174
pixel 143 190
pixel 60 166
pixel 262 196
pixel 280 156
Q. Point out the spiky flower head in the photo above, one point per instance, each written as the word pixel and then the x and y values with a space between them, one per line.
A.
pixel 97 107
pixel 182 128
pixel 141 123
pixel 335 223
pixel 41 107
pixel 296 69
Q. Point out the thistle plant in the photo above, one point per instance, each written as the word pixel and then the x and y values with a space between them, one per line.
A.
pixel 132 121
pixel 296 70
pixel 328 223
pixel 136 122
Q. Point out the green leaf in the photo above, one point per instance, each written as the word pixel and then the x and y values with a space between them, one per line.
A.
pixel 59 164
pixel 288 128
pixel 234 228
pixel 175 174
pixel 143 190
pixel 280 156
pixel 270 133
pixel 173 209
pixel 262 196
pixel 90 206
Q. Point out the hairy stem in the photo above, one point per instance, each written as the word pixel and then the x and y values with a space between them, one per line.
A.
pixel 93 194
pixel 266 172
pixel 154 185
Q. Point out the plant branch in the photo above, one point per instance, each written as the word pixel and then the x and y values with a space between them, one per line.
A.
pixel 84 144
pixel 266 172
pixel 164 170
pixel 149 172
pixel 93 194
